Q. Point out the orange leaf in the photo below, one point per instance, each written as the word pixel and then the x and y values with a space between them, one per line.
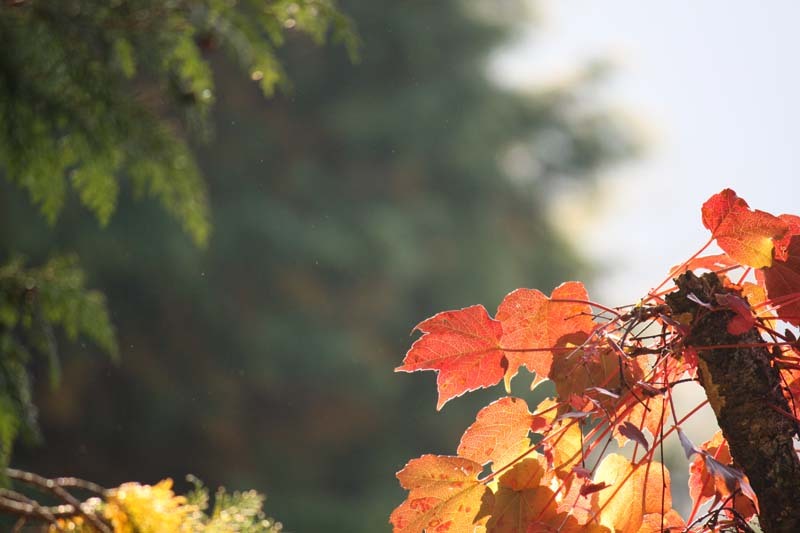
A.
pixel 445 496
pixel 573 373
pixel 671 521
pixel 632 493
pixel 524 503
pixel 463 346
pixel 745 235
pixel 534 325
pixel 712 263
pixel 563 447
pixel 499 434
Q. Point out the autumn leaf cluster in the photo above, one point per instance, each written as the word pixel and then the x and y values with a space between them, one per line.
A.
pixel 615 370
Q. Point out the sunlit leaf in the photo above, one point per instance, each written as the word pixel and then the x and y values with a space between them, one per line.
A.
pixel 535 326
pixel 563 447
pixel 744 234
pixel 463 347
pixel 444 496
pixel 632 492
pixel 499 434
pixel 711 478
pixel 525 503
pixel 782 281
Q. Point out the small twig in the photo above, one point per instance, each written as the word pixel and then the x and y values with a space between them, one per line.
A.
pixel 53 486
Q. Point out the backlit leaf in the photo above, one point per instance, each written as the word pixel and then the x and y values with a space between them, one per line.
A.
pixel 444 496
pixel 632 493
pixel 535 326
pixel 525 503
pixel 670 521
pixel 499 434
pixel 463 347
pixel 563 447
pixel 742 233
pixel 782 281
pixel 709 477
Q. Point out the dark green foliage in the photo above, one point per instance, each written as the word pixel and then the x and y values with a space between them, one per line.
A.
pixel 33 302
pixel 92 91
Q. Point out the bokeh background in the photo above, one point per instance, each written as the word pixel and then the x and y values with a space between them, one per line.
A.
pixel 476 147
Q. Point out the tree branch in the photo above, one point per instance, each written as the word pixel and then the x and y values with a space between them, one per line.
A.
pixel 19 504
pixel 742 387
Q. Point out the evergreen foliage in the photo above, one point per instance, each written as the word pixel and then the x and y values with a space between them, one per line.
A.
pixel 34 301
pixel 101 98
pixel 96 93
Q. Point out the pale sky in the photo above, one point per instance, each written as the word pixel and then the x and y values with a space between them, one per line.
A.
pixel 716 85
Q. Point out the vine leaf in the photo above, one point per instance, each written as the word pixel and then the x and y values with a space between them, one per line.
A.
pixel 463 347
pixel 742 233
pixel 535 326
pixel 444 496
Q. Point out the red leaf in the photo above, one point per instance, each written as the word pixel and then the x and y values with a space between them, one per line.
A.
pixel 782 281
pixel 782 246
pixel 710 478
pixel 463 346
pixel 745 235
pixel 744 319
pixel 534 326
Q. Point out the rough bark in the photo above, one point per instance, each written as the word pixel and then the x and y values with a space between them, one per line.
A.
pixel 742 388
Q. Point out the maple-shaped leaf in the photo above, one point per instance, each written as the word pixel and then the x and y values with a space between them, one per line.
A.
pixel 525 503
pixel 782 281
pixel 499 434
pixel 707 480
pixel 744 234
pixel 463 347
pixel 535 326
pixel 632 493
pixel 444 496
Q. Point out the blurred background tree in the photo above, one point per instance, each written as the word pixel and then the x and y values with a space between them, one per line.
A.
pixel 345 208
